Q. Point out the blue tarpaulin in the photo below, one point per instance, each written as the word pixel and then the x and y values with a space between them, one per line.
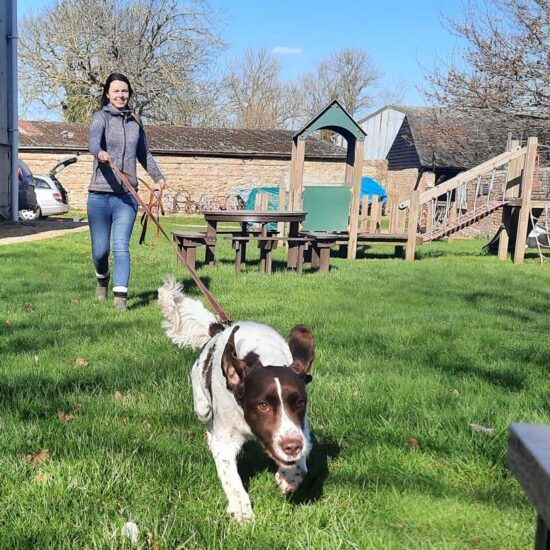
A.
pixel 370 187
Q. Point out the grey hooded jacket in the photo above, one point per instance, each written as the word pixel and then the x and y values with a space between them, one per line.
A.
pixel 119 134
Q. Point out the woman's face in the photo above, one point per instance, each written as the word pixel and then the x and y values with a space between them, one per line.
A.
pixel 118 94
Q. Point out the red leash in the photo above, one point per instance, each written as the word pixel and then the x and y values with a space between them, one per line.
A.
pixel 148 214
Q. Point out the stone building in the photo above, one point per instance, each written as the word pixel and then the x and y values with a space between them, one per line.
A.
pixel 198 161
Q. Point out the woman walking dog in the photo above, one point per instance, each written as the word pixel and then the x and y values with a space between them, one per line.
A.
pixel 116 137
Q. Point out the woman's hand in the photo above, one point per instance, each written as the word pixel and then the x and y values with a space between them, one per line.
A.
pixel 159 186
pixel 103 156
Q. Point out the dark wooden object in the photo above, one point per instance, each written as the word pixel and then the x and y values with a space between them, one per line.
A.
pixel 529 460
pixel 267 245
pixel 262 217
pixel 189 241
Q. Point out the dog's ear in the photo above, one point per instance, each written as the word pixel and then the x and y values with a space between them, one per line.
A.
pixel 302 346
pixel 234 368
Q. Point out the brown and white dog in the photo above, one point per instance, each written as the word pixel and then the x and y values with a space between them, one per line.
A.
pixel 247 383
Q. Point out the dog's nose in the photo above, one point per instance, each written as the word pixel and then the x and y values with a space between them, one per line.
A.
pixel 292 447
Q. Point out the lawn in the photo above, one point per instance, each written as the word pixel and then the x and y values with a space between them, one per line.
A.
pixel 97 426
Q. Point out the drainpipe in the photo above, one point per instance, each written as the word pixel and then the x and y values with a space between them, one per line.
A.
pixel 13 134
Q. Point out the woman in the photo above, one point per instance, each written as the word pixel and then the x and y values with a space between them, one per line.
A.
pixel 116 137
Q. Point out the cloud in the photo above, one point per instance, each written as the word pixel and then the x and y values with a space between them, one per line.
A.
pixel 285 50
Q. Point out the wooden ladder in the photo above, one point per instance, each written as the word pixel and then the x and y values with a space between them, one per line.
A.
pixel 464 221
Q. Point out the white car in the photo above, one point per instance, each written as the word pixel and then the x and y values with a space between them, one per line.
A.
pixel 51 196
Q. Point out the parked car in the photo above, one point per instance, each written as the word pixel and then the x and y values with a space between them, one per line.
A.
pixel 28 205
pixel 52 197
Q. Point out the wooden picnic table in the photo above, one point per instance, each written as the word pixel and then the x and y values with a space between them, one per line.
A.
pixel 261 217
pixel 529 460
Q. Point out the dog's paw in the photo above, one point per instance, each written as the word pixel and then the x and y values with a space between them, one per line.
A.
pixel 289 479
pixel 240 511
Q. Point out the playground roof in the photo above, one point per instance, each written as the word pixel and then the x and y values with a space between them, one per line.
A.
pixel 333 117
pixel 180 140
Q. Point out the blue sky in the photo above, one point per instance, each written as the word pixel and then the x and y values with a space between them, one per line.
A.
pixel 401 35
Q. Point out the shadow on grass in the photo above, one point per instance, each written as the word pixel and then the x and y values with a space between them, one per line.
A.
pixel 430 486
pixel 440 253
pixel 253 460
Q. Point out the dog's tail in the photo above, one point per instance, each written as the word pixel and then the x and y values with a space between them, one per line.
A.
pixel 186 321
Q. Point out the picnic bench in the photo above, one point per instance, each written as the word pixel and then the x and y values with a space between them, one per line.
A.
pixel 267 244
pixel 529 459
pixel 189 241
pixel 265 237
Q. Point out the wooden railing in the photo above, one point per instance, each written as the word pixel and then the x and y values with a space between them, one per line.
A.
pixel 471 196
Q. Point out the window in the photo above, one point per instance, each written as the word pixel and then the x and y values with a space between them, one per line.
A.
pixel 41 183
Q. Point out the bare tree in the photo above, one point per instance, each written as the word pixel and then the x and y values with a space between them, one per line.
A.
pixel 504 67
pixel 348 76
pixel 163 46
pixel 393 91
pixel 256 97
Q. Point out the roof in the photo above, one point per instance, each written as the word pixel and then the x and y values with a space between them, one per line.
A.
pixel 181 140
pixel 333 117
pixel 451 138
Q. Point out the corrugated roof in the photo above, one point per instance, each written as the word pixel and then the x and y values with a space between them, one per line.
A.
pixel 181 140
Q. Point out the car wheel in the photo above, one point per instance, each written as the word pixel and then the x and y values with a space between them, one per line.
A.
pixel 29 215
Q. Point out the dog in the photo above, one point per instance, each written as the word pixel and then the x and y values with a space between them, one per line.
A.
pixel 248 383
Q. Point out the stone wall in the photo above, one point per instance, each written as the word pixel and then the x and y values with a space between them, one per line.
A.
pixel 215 177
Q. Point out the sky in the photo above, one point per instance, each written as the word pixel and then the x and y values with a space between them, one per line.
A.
pixel 402 36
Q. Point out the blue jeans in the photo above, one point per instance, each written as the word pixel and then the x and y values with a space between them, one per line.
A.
pixel 112 217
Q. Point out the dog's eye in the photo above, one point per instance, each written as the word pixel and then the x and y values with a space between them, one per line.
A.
pixel 263 406
pixel 300 403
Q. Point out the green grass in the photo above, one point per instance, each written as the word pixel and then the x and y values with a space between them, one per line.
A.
pixel 404 350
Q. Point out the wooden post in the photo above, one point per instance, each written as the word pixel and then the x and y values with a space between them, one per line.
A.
pixel 514 169
pixel 282 204
pixel 452 218
pixel 430 215
pixel 525 196
pixel 394 210
pixel 414 211
pixel 354 208
pixel 297 174
pixel 375 215
pixel 400 215
pixel 364 212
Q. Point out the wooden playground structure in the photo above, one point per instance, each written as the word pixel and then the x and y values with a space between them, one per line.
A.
pixel 337 216
pixel 503 183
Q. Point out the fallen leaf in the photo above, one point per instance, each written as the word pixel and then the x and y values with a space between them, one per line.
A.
pixel 64 417
pixel 34 459
pixel 398 525
pixel 8 322
pixel 81 362
pixel 142 397
pixel 75 301
pixel 119 395
pixel 130 531
pixel 29 308
pixel 151 541
pixel 412 443
pixel 454 393
pixel 43 478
